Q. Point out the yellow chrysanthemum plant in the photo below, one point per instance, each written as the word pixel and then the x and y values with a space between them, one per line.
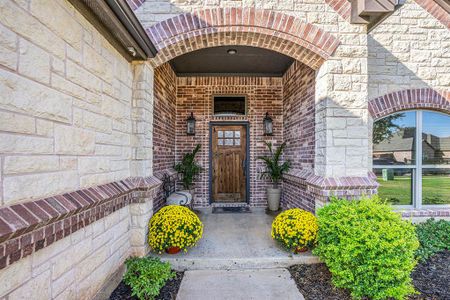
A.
pixel 174 228
pixel 295 229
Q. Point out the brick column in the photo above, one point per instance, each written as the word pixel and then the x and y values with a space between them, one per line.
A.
pixel 142 120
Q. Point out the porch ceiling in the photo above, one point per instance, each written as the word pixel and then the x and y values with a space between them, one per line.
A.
pixel 217 61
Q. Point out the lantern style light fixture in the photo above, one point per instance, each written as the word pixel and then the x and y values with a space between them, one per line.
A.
pixel 268 125
pixel 190 122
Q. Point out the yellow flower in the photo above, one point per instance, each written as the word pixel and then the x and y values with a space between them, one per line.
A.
pixel 295 228
pixel 174 226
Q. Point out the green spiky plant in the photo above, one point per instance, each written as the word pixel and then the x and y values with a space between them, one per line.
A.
pixel 189 168
pixel 275 169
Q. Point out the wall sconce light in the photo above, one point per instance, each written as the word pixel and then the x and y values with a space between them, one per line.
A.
pixel 268 125
pixel 190 125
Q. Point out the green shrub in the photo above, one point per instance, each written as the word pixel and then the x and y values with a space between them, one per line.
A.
pixel 368 248
pixel 146 276
pixel 434 236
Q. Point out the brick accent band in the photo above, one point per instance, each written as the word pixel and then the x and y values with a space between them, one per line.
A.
pixel 425 98
pixel 242 26
pixel 135 4
pixel 31 226
pixel 436 11
pixel 342 8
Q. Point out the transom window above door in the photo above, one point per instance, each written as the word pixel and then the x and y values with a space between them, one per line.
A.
pixel 229 105
pixel 411 158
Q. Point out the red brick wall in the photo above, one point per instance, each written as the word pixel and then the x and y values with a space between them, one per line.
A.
pixel 164 112
pixel 298 132
pixel 195 94
pixel 298 119
pixel 289 100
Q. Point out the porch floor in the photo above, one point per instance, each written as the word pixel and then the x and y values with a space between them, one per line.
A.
pixel 236 241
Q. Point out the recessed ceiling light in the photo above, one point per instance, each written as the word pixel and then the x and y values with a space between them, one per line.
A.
pixel 232 51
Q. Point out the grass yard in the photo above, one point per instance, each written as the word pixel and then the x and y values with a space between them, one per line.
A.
pixel 397 191
pixel 435 190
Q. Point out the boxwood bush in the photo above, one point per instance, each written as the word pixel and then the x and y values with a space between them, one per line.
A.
pixel 434 236
pixel 368 248
pixel 146 276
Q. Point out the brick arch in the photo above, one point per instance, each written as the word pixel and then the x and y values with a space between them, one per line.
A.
pixel 425 98
pixel 241 26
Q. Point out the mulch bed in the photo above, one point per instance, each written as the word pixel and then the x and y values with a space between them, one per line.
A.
pixel 431 279
pixel 168 292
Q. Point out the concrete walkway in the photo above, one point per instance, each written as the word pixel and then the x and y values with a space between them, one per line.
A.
pixel 263 284
pixel 236 241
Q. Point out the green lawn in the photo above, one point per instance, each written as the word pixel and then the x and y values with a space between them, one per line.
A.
pixel 435 190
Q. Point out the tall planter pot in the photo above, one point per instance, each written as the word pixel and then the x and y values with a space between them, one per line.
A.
pixel 273 198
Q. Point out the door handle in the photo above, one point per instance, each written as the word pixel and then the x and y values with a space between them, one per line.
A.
pixel 244 166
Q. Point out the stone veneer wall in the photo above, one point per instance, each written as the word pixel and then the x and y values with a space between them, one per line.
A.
pixel 76 123
pixel 65 105
pixel 195 94
pixel 408 50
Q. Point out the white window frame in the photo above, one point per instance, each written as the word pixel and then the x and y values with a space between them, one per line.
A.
pixel 417 167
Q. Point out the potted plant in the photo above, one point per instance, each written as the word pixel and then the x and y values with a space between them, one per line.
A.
pixel 295 229
pixel 275 170
pixel 189 168
pixel 174 228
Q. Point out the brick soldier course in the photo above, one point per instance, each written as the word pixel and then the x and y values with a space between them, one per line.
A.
pixel 85 134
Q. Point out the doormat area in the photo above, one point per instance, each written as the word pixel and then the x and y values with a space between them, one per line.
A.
pixel 231 210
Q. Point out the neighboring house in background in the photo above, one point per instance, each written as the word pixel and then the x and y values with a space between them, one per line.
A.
pixel 398 149
pixel 96 97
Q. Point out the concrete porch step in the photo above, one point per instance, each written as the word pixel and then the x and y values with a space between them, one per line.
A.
pixel 238 263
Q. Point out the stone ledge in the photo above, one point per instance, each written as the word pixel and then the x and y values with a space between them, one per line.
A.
pixel 31 226
pixel 425 213
pixel 307 177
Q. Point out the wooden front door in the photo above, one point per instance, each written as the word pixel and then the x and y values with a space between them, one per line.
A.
pixel 229 158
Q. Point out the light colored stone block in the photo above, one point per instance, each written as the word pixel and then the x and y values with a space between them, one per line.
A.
pixel 34 62
pixel 15 275
pixel 16 123
pixel 44 127
pixel 72 140
pixel 10 143
pixel 35 288
pixel 26 187
pixel 89 165
pixel 62 283
pixel 61 22
pixel 23 95
pixel 30 164
pixel 8 58
pixel 19 21
pixel 80 76
pixel 96 122
pixel 77 252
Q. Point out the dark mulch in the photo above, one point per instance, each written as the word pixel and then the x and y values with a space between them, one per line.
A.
pixel 314 282
pixel 431 279
pixel 168 292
